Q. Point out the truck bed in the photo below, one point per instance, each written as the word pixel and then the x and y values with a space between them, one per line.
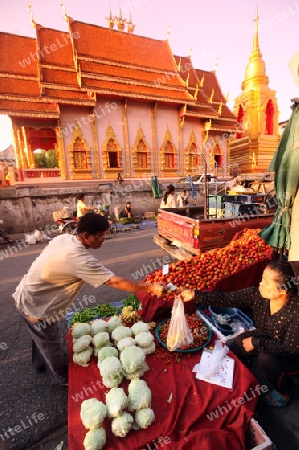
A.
pixel 199 235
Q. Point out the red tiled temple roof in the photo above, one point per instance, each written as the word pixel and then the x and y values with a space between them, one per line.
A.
pixel 105 62
pixel 33 108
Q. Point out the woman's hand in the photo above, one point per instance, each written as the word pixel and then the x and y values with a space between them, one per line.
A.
pixel 247 344
pixel 187 295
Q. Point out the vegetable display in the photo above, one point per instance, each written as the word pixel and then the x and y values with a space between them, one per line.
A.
pixel 87 314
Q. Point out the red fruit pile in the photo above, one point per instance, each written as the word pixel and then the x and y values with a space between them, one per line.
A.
pixel 202 271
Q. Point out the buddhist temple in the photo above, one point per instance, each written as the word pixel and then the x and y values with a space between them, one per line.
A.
pixel 109 101
pixel 257 113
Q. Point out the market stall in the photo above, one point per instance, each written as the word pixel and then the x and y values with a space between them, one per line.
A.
pixel 188 412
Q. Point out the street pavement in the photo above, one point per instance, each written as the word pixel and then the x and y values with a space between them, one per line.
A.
pixel 33 412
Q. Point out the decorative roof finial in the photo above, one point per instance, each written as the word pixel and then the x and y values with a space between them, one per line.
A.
pixel 131 26
pixel 190 50
pixel 168 32
pixel 33 23
pixel 216 65
pixel 110 20
pixel 120 21
pixel 179 65
pixel 64 10
pixel 256 49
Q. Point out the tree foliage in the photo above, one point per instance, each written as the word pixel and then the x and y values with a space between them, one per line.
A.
pixel 46 159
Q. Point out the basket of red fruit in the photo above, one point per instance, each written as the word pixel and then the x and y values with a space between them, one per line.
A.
pixel 202 333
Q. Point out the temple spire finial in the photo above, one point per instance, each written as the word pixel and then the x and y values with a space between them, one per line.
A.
pixel 131 26
pixel 168 32
pixel 64 10
pixel 33 23
pixel 255 48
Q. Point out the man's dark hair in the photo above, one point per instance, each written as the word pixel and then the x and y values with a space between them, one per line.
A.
pixel 80 197
pixel 92 223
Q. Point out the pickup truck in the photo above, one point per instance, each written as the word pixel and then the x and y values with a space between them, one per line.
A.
pixel 183 232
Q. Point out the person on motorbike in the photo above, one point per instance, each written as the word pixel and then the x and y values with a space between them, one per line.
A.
pixel 82 208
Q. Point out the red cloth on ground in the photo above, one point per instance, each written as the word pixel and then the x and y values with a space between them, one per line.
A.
pixel 154 308
pixel 184 421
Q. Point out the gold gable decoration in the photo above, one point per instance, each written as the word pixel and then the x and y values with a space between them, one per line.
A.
pixel 79 155
pixel 112 154
pixel 168 154
pixel 194 161
pixel 141 153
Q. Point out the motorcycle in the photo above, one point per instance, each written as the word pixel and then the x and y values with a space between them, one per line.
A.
pixel 66 223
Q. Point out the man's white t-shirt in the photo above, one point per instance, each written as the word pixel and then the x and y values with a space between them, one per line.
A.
pixel 56 277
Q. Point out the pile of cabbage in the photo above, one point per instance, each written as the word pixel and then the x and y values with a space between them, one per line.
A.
pixel 121 353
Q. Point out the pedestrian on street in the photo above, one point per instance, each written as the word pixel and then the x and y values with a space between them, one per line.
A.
pixel 275 341
pixel 54 281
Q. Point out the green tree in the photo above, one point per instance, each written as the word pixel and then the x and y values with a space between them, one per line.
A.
pixel 45 160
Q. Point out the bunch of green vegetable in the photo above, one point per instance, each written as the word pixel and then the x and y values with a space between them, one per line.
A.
pixel 87 314
pixel 132 300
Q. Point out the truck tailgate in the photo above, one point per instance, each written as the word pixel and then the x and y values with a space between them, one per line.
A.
pixel 178 228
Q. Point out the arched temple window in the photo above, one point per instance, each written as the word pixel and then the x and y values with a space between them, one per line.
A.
pixel 113 159
pixel 168 154
pixel 112 154
pixel 141 153
pixel 79 156
pixel 269 117
pixel 194 160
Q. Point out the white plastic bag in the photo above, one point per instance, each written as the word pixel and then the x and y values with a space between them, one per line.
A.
pixel 179 334
pixel 30 238
pixel 215 361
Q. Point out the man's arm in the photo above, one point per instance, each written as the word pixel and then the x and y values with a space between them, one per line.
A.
pixel 127 285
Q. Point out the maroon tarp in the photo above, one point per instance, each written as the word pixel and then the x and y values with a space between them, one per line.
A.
pixel 190 413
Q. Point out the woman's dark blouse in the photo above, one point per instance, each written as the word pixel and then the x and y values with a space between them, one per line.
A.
pixel 276 333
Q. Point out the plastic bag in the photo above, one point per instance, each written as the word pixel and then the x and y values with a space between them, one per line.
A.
pixel 179 334
pixel 30 238
pixel 215 361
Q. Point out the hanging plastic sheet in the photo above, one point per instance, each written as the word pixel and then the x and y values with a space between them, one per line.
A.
pixel 156 189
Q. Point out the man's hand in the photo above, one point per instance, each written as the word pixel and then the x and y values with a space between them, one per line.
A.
pixel 247 344
pixel 156 289
pixel 187 295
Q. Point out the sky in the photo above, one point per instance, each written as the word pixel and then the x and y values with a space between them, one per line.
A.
pixel 219 34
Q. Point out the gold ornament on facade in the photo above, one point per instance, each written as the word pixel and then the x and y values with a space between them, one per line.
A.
pixel 141 153
pixel 79 155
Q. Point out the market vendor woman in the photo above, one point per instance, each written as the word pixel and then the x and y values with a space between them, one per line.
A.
pixel 275 341
pixel 54 281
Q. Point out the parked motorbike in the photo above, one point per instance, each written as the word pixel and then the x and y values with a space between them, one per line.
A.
pixel 67 225
pixel 4 235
